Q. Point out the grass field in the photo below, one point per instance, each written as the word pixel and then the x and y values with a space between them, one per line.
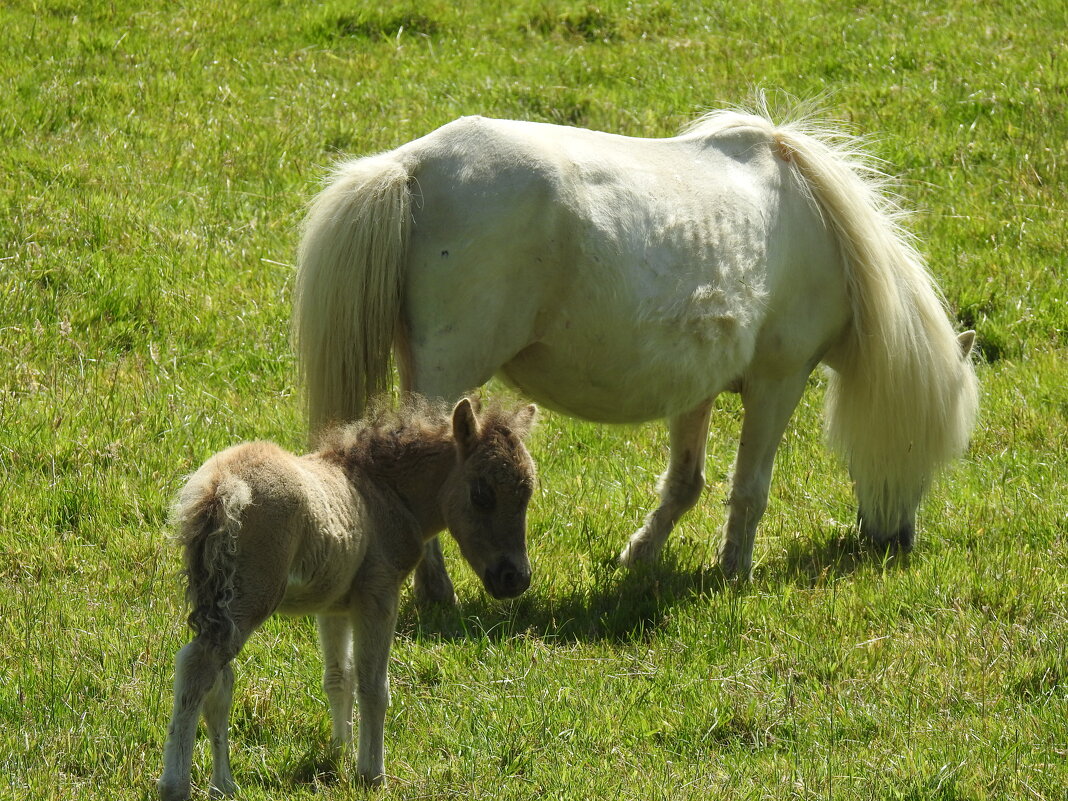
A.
pixel 155 162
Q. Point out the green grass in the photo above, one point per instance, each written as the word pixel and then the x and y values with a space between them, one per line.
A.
pixel 153 170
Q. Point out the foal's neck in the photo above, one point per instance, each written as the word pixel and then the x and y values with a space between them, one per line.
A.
pixel 412 461
pixel 418 477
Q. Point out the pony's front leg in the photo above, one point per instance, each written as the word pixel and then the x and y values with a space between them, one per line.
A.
pixel 431 582
pixel 335 637
pixel 680 486
pixel 197 668
pixel 768 405
pixel 374 620
pixel 217 717
pixel 439 375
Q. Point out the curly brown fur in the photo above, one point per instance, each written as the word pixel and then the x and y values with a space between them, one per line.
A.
pixel 392 438
pixel 206 517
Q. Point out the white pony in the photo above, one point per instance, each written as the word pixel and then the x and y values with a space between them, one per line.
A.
pixel 622 280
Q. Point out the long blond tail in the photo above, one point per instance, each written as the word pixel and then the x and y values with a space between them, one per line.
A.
pixel 348 290
pixel 902 397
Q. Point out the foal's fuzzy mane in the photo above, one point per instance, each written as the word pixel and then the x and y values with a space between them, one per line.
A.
pixel 413 430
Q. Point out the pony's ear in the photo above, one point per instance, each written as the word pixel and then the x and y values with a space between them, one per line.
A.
pixel 464 427
pixel 523 420
pixel 966 342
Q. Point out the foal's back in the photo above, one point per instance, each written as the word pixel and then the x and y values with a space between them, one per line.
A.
pixel 294 523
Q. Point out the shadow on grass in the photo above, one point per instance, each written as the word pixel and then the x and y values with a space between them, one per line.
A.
pixel 628 605
pixel 841 553
pixel 620 605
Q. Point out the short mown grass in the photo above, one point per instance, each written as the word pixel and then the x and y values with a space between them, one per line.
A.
pixel 154 166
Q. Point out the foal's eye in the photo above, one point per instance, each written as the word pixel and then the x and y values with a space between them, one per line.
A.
pixel 482 495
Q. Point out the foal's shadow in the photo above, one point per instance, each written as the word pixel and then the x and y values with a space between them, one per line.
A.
pixel 628 605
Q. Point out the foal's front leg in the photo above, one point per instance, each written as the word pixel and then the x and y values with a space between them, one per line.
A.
pixel 335 637
pixel 431 581
pixel 374 621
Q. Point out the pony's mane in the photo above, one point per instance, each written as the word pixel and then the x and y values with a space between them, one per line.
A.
pixel 808 118
pixel 901 334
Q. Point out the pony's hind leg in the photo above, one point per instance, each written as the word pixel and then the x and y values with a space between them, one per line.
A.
pixel 680 486
pixel 768 405
pixel 335 637
pixel 217 717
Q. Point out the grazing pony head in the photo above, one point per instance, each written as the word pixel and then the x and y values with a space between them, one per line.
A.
pixel 485 498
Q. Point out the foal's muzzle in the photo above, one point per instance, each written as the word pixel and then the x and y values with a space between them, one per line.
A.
pixel 506 579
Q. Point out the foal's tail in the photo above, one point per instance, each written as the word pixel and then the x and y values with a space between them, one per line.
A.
pixel 902 394
pixel 348 289
pixel 207 517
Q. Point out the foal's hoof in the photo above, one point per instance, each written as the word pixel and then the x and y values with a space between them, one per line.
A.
pixel 374 781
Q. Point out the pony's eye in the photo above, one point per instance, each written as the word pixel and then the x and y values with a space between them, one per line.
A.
pixel 482 496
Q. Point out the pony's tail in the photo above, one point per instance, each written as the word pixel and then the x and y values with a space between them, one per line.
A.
pixel 207 518
pixel 902 394
pixel 348 288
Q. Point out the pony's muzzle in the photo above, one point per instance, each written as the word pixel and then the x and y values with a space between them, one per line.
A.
pixel 507 579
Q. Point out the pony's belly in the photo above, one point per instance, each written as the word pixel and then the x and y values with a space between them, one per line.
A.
pixel 615 387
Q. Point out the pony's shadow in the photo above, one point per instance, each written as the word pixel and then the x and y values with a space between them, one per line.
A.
pixel 629 605
pixel 619 605
pixel 839 553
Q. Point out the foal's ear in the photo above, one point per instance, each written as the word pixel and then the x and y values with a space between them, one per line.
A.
pixel 966 341
pixel 524 420
pixel 464 427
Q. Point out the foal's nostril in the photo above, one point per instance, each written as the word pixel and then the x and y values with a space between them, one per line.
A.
pixel 515 581
pixel 507 580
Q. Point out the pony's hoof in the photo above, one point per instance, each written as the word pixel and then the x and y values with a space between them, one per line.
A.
pixel 901 540
pixel 641 550
pixel 372 781
pixel 223 788
pixel 170 791
pixel 733 567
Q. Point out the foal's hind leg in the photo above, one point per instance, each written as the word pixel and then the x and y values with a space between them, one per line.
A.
pixel 198 668
pixel 217 717
pixel 680 486
pixel 768 406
